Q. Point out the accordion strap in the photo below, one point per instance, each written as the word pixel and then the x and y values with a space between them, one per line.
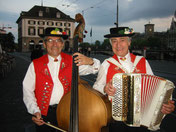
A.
pixel 137 59
pixel 115 62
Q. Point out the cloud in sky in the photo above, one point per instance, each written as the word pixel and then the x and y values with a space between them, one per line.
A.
pixel 133 10
pixel 99 14
pixel 148 9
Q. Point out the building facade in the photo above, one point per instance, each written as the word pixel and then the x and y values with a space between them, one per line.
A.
pixel 149 29
pixel 171 35
pixel 31 24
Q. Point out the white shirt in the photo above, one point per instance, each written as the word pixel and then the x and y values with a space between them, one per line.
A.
pixel 57 93
pixel 102 74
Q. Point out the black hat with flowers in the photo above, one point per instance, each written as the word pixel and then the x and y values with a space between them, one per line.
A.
pixel 57 32
pixel 120 32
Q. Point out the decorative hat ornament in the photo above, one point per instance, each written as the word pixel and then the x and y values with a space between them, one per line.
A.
pixel 120 32
pixel 57 32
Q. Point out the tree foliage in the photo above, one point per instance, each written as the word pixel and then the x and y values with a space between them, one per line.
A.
pixel 150 42
pixel 106 44
pixel 84 45
pixel 137 43
pixel 7 41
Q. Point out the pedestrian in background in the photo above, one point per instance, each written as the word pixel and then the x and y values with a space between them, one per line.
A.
pixel 37 52
pixel 89 51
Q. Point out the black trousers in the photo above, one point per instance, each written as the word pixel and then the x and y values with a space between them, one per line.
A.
pixel 51 117
pixel 117 126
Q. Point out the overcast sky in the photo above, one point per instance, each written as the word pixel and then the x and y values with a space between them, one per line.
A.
pixel 98 14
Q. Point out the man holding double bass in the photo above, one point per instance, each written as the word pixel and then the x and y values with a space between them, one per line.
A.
pixel 49 77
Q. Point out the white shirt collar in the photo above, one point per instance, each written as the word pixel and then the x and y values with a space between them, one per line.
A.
pixel 127 56
pixel 51 59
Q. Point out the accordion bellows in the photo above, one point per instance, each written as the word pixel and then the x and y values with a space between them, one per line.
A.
pixel 139 98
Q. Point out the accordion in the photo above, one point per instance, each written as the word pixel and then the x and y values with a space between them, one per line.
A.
pixel 139 98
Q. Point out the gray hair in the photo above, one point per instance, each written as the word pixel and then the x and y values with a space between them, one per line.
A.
pixel 129 40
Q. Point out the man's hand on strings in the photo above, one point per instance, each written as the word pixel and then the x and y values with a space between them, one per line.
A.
pixel 82 59
pixel 168 108
pixel 109 89
pixel 37 119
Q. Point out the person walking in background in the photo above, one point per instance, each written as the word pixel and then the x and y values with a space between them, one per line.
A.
pixel 89 51
pixel 37 52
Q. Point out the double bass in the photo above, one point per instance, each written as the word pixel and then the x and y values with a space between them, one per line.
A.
pixel 83 109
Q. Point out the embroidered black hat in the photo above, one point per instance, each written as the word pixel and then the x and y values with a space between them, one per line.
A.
pixel 51 31
pixel 120 32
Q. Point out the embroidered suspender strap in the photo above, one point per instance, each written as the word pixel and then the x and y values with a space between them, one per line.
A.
pixel 137 59
pixel 115 62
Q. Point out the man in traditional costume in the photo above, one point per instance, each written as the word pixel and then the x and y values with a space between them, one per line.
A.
pixel 49 77
pixel 123 62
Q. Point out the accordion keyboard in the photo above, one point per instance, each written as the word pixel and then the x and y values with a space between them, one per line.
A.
pixel 139 97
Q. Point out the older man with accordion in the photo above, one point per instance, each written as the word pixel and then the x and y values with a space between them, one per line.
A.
pixel 139 99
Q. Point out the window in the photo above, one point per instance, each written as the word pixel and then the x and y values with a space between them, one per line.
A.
pixel 67 24
pixel 50 23
pixel 31 42
pixel 40 42
pixel 40 13
pixel 31 22
pixel 40 31
pixel 31 31
pixel 41 23
pixel 57 15
pixel 47 10
pixel 58 23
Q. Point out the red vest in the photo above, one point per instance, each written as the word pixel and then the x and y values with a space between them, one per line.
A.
pixel 44 83
pixel 113 69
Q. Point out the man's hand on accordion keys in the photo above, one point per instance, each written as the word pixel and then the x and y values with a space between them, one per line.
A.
pixel 168 108
pixel 109 89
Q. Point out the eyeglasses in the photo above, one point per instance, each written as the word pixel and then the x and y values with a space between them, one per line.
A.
pixel 56 40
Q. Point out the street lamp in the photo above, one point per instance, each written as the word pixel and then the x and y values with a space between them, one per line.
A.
pixel 117 19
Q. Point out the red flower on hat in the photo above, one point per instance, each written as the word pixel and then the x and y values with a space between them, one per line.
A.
pixel 64 33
